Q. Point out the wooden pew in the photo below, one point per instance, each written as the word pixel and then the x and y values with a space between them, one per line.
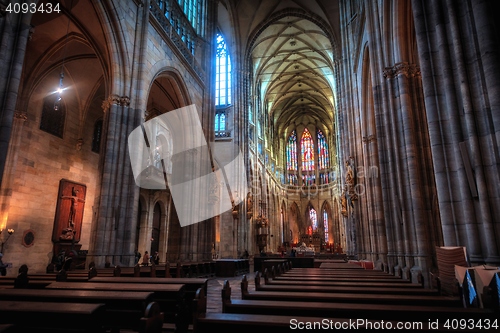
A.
pixel 191 284
pixel 348 310
pixel 353 288
pixel 337 278
pixel 52 317
pixel 204 322
pixel 122 309
pixel 328 273
pixel 7 328
pixel 170 297
pixel 339 282
pixel 8 282
pixel 347 297
pixel 250 322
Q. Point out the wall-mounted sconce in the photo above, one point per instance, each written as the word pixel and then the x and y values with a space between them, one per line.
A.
pixel 10 232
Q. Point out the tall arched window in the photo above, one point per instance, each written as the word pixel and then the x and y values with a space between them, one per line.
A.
pixel 53 115
pixel 325 224
pixel 96 137
pixel 220 122
pixel 314 218
pixel 291 159
pixel 307 151
pixel 222 73
pixel 291 152
pixel 323 158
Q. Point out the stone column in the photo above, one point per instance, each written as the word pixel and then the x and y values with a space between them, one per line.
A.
pixel 113 234
pixel 459 61
pixel 14 32
pixel 10 165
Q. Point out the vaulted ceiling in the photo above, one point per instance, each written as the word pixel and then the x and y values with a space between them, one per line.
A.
pixel 292 45
pixel 293 62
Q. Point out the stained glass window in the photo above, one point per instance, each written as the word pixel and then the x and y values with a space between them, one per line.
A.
pixel 323 158
pixel 307 151
pixel 308 179
pixel 314 218
pixel 325 224
pixel 291 152
pixel 222 73
pixel 220 122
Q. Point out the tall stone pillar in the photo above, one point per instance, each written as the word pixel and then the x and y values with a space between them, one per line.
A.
pixel 14 32
pixel 459 63
pixel 113 227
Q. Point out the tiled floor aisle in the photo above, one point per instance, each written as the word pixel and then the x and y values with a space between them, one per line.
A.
pixel 214 298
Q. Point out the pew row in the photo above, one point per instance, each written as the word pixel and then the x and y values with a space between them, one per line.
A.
pixel 191 285
pixel 346 283
pixel 122 309
pixel 52 317
pixel 170 297
pixel 372 311
pixel 353 288
pixel 248 322
pixel 348 297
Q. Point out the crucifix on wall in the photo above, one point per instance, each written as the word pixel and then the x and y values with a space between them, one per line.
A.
pixel 69 211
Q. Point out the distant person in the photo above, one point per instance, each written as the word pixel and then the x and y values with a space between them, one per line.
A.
pixel 145 259
pixel 137 256
pixel 3 267
pixel 155 259
pixel 22 279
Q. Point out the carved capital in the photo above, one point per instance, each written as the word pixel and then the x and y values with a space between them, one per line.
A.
pixel 115 99
pixel 401 68
pixel 20 115
pixel 369 138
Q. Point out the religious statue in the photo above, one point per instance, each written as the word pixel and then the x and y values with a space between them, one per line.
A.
pixel 74 206
pixel 67 234
pixel 249 202
pixel 343 202
pixel 349 176
pixel 249 205
pixel 349 180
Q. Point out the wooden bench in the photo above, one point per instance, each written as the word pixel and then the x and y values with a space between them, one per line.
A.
pixel 250 322
pixel 8 282
pixel 191 284
pixel 52 317
pixel 122 309
pixel 353 288
pixel 297 282
pixel 347 297
pixel 332 274
pixel 170 297
pixel 348 310
pixel 231 267
pixel 307 279
pixel 7 328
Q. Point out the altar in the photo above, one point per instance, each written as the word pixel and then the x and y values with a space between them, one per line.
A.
pixel 305 250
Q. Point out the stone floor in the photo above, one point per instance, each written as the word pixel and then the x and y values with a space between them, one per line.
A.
pixel 214 298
